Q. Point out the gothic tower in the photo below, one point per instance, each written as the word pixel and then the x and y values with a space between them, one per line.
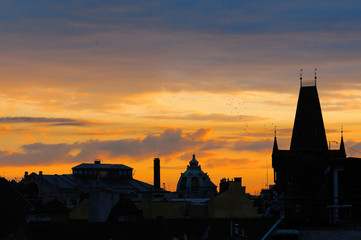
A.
pixel 305 174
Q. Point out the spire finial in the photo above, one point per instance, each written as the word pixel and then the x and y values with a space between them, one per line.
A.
pixel 301 76
pixel 341 131
pixel 275 131
pixel 315 76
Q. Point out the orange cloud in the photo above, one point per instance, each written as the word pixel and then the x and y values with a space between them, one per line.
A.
pixel 29 138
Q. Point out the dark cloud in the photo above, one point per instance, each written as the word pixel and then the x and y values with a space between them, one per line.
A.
pixel 200 133
pixel 43 120
pixel 210 46
pixel 234 46
pixel 76 17
pixel 170 141
pixel 37 153
pixel 212 144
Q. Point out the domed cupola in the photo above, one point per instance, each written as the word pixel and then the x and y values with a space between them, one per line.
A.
pixel 193 164
pixel 194 182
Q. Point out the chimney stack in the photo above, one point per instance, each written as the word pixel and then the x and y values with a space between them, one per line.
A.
pixel 156 173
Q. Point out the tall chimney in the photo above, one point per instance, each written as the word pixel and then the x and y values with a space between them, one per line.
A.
pixel 156 173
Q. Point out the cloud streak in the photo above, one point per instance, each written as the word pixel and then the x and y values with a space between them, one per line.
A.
pixel 213 117
pixel 47 121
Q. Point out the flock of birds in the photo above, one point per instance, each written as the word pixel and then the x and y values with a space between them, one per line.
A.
pixel 234 107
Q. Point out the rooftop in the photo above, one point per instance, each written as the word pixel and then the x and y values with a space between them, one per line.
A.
pixel 98 165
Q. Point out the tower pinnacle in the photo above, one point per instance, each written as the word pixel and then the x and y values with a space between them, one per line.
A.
pixel 342 144
pixel 275 145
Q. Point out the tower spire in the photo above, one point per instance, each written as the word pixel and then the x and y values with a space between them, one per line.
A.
pixel 342 144
pixel 341 132
pixel 275 145
pixel 308 130
pixel 301 77
pixel 315 76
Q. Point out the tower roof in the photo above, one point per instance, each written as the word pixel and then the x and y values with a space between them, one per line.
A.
pixel 342 145
pixel 308 129
pixel 275 146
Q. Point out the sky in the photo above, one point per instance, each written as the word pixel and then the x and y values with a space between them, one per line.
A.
pixel 127 81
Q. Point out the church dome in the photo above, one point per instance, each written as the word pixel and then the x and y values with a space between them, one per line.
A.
pixel 195 182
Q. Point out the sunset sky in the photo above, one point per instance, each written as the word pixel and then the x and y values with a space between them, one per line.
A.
pixel 124 81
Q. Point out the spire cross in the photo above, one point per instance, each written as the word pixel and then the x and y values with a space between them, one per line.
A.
pixel 301 76
pixel 315 75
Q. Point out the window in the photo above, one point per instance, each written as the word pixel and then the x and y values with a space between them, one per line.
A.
pixel 183 184
pixel 195 184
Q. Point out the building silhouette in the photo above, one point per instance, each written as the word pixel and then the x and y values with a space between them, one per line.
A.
pixel 317 185
pixel 194 182
pixel 86 178
pixel 156 175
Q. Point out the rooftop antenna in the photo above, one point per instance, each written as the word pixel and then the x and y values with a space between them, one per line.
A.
pixel 301 76
pixel 315 76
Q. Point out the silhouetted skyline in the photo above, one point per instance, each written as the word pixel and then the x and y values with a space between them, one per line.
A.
pixel 126 82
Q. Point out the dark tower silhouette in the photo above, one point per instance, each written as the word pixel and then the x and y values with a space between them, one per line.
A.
pixel 315 182
pixel 308 129
pixel 156 173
